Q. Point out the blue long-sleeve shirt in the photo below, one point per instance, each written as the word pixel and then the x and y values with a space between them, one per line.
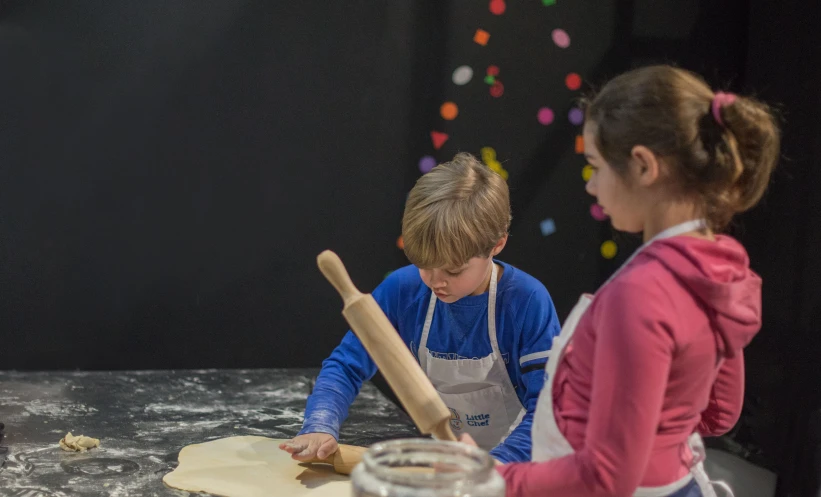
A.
pixel 526 324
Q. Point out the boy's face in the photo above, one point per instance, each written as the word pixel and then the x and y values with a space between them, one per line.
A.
pixel 452 283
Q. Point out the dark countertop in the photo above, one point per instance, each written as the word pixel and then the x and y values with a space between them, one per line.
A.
pixel 143 419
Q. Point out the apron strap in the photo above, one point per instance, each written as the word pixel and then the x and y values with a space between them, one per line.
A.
pixel 491 311
pixel 423 342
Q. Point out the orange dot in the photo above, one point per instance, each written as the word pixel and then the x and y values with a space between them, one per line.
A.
pixel 579 144
pixel 400 243
pixel 481 37
pixel 449 111
pixel 573 81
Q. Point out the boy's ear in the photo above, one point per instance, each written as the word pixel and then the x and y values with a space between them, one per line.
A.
pixel 499 246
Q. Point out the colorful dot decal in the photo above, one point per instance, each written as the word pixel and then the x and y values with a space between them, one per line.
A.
pixel 489 158
pixel 438 138
pixel 462 75
pixel 545 116
pixel 548 227
pixel 573 81
pixel 597 212
pixel 560 38
pixel 426 163
pixel 449 111
pixel 609 249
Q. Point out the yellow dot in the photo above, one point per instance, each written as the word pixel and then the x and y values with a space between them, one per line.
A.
pixel 587 172
pixel 488 155
pixel 609 249
pixel 497 168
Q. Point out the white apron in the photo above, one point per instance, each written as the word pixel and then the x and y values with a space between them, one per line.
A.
pixel 548 441
pixel 478 391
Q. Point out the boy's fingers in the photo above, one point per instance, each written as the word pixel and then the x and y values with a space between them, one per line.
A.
pixel 292 447
pixel 326 449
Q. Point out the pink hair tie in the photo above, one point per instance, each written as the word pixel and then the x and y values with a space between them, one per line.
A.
pixel 719 101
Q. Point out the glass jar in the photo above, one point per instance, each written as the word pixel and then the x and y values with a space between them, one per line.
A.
pixel 418 467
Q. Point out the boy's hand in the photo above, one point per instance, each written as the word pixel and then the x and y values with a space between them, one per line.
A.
pixel 310 446
pixel 467 439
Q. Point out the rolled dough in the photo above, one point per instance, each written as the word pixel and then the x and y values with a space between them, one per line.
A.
pixel 252 466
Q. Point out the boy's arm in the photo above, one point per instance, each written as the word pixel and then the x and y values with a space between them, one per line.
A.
pixel 338 384
pixel 536 329
pixel 348 367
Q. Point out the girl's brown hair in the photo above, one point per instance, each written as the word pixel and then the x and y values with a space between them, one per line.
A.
pixel 668 110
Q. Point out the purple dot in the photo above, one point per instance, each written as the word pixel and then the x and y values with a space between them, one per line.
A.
pixel 426 163
pixel 545 116
pixel 576 116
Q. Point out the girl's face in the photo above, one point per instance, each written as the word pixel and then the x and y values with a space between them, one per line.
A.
pixel 618 199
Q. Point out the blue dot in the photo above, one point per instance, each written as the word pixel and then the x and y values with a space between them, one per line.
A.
pixel 548 227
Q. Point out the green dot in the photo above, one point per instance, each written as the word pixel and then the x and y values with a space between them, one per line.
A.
pixel 490 79
pixel 549 2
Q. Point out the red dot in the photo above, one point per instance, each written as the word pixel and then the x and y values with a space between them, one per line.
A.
pixel 573 81
pixel 497 89
pixel 492 71
pixel 497 7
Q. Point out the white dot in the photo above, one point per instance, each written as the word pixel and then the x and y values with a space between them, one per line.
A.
pixel 462 75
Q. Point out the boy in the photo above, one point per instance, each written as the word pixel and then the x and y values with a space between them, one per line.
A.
pixel 480 328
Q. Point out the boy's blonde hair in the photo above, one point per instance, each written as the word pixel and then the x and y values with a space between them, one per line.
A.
pixel 457 211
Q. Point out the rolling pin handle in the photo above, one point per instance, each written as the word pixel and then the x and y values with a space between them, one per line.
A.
pixel 331 266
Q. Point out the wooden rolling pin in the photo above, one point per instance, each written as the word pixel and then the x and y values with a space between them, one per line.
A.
pixel 387 350
pixel 344 459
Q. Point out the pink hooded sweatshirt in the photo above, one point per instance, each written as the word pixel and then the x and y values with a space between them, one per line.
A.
pixel 656 356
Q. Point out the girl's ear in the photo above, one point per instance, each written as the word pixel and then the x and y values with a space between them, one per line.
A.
pixel 645 166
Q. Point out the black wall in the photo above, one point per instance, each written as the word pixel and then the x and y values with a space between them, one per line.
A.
pixel 170 170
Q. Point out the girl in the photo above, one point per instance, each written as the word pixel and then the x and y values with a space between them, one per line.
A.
pixel 654 359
